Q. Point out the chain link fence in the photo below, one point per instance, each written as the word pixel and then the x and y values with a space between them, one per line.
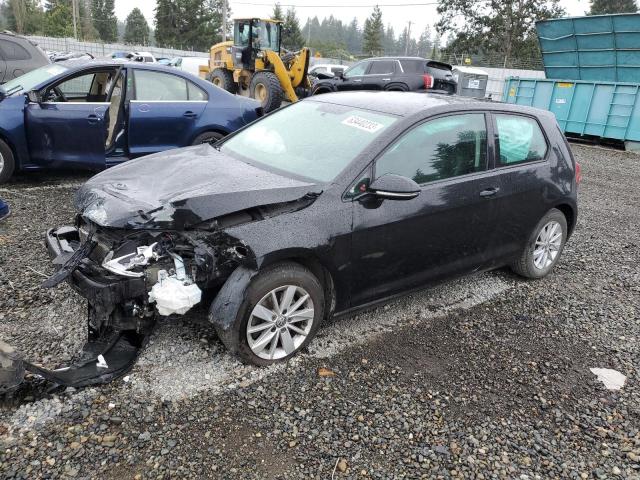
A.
pixel 97 49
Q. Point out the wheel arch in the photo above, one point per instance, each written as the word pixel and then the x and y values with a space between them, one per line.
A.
pixel 397 87
pixel 569 213
pixel 16 157
pixel 309 260
pixel 207 129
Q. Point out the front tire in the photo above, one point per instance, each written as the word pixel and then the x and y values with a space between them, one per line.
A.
pixel 7 162
pixel 544 247
pixel 280 315
pixel 265 87
pixel 223 78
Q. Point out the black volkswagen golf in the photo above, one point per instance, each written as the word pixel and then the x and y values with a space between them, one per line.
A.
pixel 328 205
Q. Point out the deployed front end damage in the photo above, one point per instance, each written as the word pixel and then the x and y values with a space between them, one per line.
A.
pixel 138 251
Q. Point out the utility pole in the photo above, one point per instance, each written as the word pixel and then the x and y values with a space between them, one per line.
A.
pixel 75 23
pixel 224 20
pixel 406 45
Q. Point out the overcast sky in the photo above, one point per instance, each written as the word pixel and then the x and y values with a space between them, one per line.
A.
pixel 392 11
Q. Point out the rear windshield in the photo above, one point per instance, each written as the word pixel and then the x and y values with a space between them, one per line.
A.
pixel 309 139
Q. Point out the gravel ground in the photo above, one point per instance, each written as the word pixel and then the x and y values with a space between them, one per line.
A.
pixel 485 377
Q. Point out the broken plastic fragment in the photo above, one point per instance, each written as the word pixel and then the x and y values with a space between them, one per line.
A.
pixel 612 379
pixel 101 363
pixel 123 265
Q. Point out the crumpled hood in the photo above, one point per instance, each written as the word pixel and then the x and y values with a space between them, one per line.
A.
pixel 181 188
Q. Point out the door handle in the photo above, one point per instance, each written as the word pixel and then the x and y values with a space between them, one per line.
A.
pixel 93 118
pixel 357 79
pixel 190 114
pixel 489 192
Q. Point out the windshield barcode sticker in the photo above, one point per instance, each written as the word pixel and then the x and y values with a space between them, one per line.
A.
pixel 362 123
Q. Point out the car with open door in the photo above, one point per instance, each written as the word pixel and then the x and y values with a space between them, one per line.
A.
pixel 95 114
pixel 273 230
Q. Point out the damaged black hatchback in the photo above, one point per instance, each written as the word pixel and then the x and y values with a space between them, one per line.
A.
pixel 328 205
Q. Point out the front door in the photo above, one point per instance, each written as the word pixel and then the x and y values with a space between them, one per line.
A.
pixel 446 230
pixel 69 126
pixel 353 77
pixel 163 113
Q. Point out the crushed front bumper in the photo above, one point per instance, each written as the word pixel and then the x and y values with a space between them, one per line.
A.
pixel 113 346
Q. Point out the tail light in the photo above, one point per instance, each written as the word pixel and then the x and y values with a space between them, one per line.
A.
pixel 428 80
pixel 578 173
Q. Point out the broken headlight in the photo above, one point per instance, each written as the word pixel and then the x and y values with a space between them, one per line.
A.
pixel 123 265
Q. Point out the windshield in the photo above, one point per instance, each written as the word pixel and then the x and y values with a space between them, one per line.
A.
pixel 309 139
pixel 28 81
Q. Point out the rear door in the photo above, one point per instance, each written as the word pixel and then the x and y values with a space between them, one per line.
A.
pixel 163 112
pixel 69 126
pixel 380 74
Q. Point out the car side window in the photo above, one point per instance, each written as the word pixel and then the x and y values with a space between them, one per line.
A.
pixel 196 93
pixel 438 149
pixel 88 87
pixel 12 51
pixel 153 86
pixel 357 70
pixel 382 67
pixel 519 139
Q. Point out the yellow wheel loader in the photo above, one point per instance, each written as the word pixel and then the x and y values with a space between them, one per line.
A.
pixel 253 64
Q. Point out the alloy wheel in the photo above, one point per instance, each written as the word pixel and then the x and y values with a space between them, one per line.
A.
pixel 1 162
pixel 547 246
pixel 280 322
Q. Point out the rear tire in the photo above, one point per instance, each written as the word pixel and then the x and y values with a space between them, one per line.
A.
pixel 281 279
pixel 224 79
pixel 544 246
pixel 7 162
pixel 207 137
pixel 265 87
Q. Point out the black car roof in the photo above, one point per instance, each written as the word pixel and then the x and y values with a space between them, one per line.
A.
pixel 405 104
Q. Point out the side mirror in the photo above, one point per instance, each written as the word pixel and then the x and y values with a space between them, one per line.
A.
pixel 339 75
pixel 34 96
pixel 394 187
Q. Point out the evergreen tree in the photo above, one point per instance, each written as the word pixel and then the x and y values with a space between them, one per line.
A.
pixel 137 29
pixel 424 43
pixel 291 34
pixel 58 19
pixel 389 43
pixel 277 13
pixel 353 37
pixel 104 19
pixel 22 16
pixel 605 7
pixel 189 24
pixel 373 34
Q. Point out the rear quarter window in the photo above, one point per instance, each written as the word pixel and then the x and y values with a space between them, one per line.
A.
pixel 413 66
pixel 12 51
pixel 520 139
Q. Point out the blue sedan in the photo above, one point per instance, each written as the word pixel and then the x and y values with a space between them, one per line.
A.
pixel 95 114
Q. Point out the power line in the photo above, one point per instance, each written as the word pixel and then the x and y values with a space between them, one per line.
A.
pixel 423 4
